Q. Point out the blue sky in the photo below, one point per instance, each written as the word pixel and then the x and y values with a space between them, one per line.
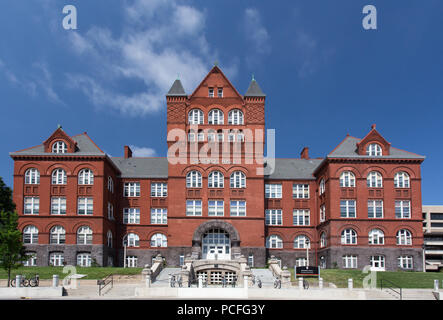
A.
pixel 324 75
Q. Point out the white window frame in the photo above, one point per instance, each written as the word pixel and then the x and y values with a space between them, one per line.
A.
pixel 30 235
pixel 159 189
pixel 374 180
pixel 237 180
pixel 402 180
pixel 322 213
pixel 84 235
pixel 274 217
pixel 86 177
pixel 159 216
pixel 56 259
pixel 274 242
pixel 300 191
pixel 302 242
pixel 58 205
pixel 194 179
pixel 59 177
pixel 31 205
pixel 32 176
pixel 376 237
pixel 216 208
pixel 110 211
pixel 301 262
pixel 132 240
pixel 84 259
pixel 375 209
pixel 238 208
pixel 404 237
pixel 59 147
pixel 402 209
pixel 109 239
pixel 32 259
pixel 350 261
pixel 57 235
pixel 211 92
pixel 215 116
pixel 377 260
pixel 273 190
pixel 301 217
pixel 159 240
pixel 131 261
pixel 85 206
pixel 406 262
pixel 349 237
pixel 196 116
pixel 236 117
pixel 219 92
pixel 216 179
pixel 131 216
pixel 131 189
pixel 194 207
pixel 347 179
pixel 323 240
pixel 348 205
pixel 322 187
pixel 374 150
pixel 110 184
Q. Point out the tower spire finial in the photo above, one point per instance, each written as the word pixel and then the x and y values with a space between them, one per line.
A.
pixel 253 78
pixel 216 63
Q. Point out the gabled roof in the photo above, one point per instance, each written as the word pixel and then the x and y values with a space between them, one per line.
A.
pixel 348 149
pixel 142 167
pixel 254 90
pixel 293 169
pixel 85 147
pixel 176 90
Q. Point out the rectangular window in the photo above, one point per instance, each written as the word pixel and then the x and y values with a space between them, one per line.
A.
pixel 159 189
pixel 322 213
pixel 301 217
pixel 274 217
pixel 405 262
pixel 211 92
pixel 132 189
pixel 300 191
pixel 85 206
pixel 251 261
pixel 216 208
pixel 301 262
pixel 347 209
pixel 350 261
pixel 402 209
pixel 131 215
pixel 181 260
pixel 238 208
pixel 273 191
pixel 193 207
pixel 159 216
pixel 32 260
pixel 131 261
pixel 375 208
pixel 220 92
pixel 58 205
pixel 32 205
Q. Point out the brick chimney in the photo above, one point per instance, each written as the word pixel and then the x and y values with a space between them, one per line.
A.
pixel 305 153
pixel 128 152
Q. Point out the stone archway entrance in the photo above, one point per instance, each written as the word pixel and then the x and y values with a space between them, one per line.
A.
pixel 216 240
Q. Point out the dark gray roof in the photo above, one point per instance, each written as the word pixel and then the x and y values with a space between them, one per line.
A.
pixel 254 90
pixel 348 149
pixel 85 147
pixel 176 89
pixel 292 169
pixel 142 167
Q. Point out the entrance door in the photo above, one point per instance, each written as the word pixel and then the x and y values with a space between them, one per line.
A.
pixel 216 245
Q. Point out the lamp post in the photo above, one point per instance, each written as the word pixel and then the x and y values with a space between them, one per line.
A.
pixel 307 252
pixel 125 243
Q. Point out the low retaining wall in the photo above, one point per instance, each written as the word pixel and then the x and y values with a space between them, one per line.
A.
pixel 192 293
pixel 37 292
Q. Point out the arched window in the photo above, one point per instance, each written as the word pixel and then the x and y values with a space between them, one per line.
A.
pixel 401 180
pixel 373 150
pixel 109 238
pixel 215 117
pixel 404 237
pixel 322 186
pixel 30 235
pixel 85 176
pixel 195 116
pixel 110 184
pixel 323 240
pixel 84 235
pixel 374 180
pixel 348 236
pixel 59 147
pixel 347 179
pixel 32 176
pixel 131 240
pixel 301 242
pixel 236 117
pixel 216 180
pixel 376 236
pixel 159 240
pixel 274 242
pixel 194 179
pixel 59 176
pixel 58 235
pixel 238 180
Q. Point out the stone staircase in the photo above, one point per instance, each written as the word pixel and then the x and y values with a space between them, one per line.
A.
pixel 265 276
pixel 163 277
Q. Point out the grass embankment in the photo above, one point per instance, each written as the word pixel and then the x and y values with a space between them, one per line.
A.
pixel 90 272
pixel 403 279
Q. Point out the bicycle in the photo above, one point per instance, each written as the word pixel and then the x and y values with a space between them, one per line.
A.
pixel 23 282
pixel 277 283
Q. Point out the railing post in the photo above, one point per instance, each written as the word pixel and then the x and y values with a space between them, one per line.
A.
pixel 320 283
pixel 436 282
pixel 300 283
pixel 350 284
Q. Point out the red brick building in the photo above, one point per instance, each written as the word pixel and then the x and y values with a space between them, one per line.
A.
pixel 216 197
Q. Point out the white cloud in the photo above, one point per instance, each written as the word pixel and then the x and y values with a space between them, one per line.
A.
pixel 142 151
pixel 160 40
pixel 256 32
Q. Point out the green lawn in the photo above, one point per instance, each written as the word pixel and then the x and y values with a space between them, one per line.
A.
pixel 91 272
pixel 403 279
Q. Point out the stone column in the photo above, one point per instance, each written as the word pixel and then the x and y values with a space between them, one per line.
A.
pixel 285 278
pixel 18 281
pixel 350 284
pixel 300 283
pixel 436 282
pixel 320 283
pixel 55 280
pixel 146 275
pixel 184 274
pixel 200 281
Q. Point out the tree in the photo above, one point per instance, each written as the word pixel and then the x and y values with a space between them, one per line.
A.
pixel 12 251
pixel 6 203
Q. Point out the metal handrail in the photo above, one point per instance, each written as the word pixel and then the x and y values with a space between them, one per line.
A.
pixel 400 293
pixel 104 282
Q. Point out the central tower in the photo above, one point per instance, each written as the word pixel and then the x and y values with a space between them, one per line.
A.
pixel 215 171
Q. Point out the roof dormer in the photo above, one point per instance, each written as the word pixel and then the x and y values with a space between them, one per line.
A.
pixel 59 142
pixel 373 144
